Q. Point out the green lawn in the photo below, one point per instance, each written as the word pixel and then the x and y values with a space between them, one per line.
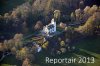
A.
pixel 10 60
pixel 6 65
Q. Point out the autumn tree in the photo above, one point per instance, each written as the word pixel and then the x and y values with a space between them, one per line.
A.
pixel 13 50
pixel 31 57
pixel 86 9
pixel 73 17
pixel 88 27
pixel 1 47
pixel 22 11
pixel 33 49
pixel 14 14
pixel 10 43
pixel 86 13
pixel 62 25
pixel 79 14
pixel 62 43
pixel 22 53
pixel 57 15
pixel 18 37
pixel 26 62
pixel 19 44
pixel 38 25
pixel 18 40
pixel 6 18
pixel 5 44
pixel 93 9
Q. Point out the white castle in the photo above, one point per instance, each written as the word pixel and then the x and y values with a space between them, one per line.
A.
pixel 50 28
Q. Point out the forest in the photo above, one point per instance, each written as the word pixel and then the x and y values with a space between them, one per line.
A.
pixel 21 22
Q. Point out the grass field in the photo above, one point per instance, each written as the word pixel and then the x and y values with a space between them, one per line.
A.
pixel 10 61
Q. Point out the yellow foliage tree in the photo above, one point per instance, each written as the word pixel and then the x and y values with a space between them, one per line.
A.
pixel 45 45
pixel 62 43
pixel 88 28
pixel 57 15
pixel 23 53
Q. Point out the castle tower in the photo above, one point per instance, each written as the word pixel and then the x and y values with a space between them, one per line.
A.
pixel 54 23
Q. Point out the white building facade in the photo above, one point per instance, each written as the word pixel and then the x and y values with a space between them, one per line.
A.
pixel 50 28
